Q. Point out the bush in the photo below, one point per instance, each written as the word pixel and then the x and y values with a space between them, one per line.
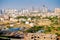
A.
pixel 35 29
pixel 58 28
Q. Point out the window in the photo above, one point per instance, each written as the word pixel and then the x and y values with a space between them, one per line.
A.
pixel 38 37
pixel 51 38
pixel 57 38
pixel 44 37
pixel 32 37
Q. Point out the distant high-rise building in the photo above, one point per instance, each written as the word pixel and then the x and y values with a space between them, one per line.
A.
pixel 57 10
pixel 44 9
pixel 0 11
pixel 33 8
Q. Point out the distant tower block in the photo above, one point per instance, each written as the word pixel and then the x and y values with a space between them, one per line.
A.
pixel 43 5
pixel 44 9
pixel 1 12
pixel 57 10
pixel 33 8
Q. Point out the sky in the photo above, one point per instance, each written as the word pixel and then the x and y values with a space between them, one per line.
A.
pixel 18 4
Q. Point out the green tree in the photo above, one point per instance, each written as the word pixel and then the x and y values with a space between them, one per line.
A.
pixel 35 29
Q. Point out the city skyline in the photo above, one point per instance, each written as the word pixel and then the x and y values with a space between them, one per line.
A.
pixel 18 4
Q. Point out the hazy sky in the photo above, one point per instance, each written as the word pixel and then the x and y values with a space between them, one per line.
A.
pixel 29 3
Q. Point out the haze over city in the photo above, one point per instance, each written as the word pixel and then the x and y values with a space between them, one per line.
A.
pixel 18 4
pixel 29 19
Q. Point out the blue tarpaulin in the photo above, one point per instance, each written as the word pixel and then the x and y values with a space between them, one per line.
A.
pixel 14 29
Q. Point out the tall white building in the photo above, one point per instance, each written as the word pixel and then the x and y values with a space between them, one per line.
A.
pixel 10 12
pixel 44 9
pixel 57 10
